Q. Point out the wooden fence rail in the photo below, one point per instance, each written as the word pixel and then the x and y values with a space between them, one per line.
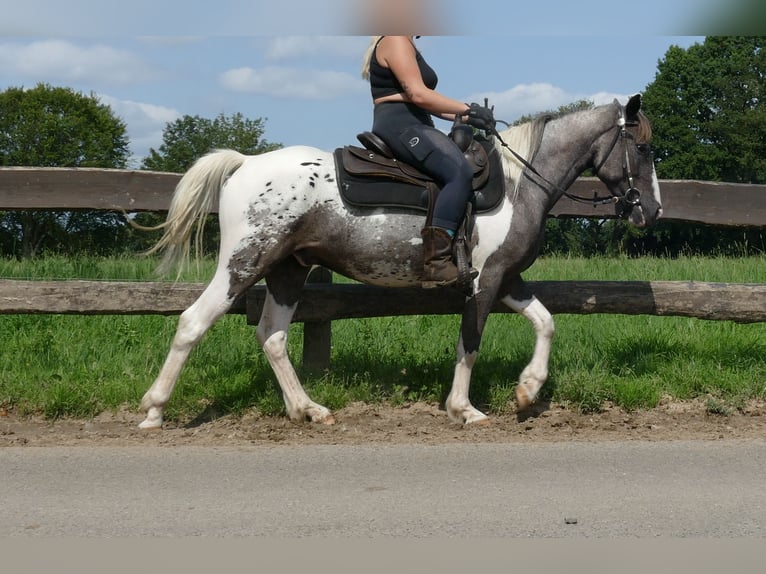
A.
pixel 707 202
pixel 325 302
pixel 133 191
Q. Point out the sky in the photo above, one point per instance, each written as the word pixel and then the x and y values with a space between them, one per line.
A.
pixel 296 64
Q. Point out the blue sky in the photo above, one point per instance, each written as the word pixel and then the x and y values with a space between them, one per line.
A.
pixel 302 73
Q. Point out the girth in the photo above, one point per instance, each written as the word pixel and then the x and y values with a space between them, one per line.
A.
pixel 367 178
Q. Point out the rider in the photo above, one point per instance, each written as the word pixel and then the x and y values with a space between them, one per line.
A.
pixel 403 91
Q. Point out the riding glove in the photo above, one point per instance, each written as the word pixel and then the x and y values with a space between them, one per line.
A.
pixel 481 117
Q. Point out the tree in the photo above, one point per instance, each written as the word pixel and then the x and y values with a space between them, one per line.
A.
pixel 56 127
pixel 187 139
pixel 708 109
pixel 190 137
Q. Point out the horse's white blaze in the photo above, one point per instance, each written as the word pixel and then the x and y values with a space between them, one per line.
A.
pixel 656 189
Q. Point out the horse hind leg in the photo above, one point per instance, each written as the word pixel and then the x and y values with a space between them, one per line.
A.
pixel 193 323
pixel 284 285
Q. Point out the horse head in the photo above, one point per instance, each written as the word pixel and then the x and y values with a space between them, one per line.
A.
pixel 625 164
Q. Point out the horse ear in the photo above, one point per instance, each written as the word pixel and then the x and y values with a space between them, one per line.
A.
pixel 633 107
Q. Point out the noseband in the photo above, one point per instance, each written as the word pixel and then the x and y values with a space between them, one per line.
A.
pixel 631 197
pixel 626 200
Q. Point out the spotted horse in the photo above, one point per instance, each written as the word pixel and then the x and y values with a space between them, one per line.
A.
pixel 281 213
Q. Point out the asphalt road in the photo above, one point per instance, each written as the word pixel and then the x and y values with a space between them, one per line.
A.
pixel 562 490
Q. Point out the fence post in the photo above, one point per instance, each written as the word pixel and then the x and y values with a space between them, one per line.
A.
pixel 317 336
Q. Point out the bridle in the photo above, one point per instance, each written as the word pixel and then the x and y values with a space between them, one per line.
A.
pixel 626 200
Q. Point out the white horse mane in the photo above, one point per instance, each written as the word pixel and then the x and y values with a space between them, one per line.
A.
pixel 525 140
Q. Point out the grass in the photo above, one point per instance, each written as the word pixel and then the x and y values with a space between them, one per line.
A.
pixel 72 366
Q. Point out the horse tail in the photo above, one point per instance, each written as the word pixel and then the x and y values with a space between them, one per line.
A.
pixel 194 197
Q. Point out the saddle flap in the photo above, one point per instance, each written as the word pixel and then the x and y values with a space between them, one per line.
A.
pixel 361 161
pixel 364 185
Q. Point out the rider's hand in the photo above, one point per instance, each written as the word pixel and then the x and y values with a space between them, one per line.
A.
pixel 481 117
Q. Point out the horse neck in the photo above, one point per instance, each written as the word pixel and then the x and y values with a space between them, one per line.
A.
pixel 567 148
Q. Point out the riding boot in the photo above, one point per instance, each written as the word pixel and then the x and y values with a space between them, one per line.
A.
pixel 438 268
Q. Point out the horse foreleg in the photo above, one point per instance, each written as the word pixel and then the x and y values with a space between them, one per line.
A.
pixel 272 332
pixel 535 373
pixel 192 325
pixel 458 404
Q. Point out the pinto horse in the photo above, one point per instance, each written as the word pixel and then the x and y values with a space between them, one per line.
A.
pixel 281 213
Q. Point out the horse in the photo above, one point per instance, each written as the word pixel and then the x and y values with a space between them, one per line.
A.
pixel 281 214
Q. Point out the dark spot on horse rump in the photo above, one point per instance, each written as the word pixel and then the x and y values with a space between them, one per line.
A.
pixel 316 174
pixel 268 184
pixel 312 184
pixel 305 163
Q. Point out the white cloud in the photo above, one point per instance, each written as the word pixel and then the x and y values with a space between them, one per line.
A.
pixel 295 83
pixel 531 99
pixel 145 123
pixel 601 98
pixel 63 61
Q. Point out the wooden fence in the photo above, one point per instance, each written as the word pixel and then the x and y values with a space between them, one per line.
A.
pixel 323 302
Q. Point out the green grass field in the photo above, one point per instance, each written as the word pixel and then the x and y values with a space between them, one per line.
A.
pixel 71 366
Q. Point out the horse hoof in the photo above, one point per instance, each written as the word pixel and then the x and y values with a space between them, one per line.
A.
pixel 478 420
pixel 153 420
pixel 523 398
pixel 148 426
pixel 485 422
pixel 320 417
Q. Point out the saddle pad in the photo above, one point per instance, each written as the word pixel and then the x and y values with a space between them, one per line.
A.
pixel 372 186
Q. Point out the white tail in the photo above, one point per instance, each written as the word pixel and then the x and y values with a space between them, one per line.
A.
pixel 194 197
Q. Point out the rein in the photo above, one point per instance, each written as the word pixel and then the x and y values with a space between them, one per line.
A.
pixel 630 199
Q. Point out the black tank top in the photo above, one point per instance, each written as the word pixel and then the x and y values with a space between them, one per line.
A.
pixel 383 82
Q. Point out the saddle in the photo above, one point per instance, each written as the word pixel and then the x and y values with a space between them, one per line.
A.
pixel 372 177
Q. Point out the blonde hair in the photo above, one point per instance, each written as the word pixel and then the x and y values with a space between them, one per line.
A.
pixel 367 58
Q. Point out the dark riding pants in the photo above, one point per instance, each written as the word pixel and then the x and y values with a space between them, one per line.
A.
pixel 411 135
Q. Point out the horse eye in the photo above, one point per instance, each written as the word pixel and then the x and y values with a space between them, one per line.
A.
pixel 643 148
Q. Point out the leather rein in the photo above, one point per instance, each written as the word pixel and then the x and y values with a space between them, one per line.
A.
pixel 628 200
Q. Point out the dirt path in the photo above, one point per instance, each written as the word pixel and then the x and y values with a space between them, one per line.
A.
pixel 417 423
